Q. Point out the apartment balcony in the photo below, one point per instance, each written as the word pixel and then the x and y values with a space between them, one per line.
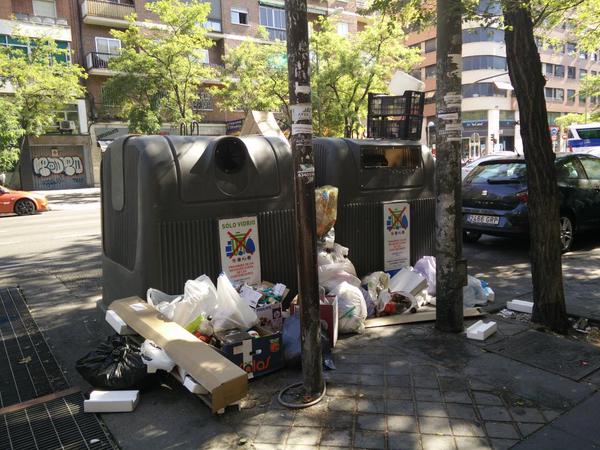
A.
pixel 96 63
pixel 107 13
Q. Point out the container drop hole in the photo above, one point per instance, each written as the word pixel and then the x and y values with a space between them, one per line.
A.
pixel 230 155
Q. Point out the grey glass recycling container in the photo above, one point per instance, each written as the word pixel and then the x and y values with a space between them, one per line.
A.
pixel 369 173
pixel 163 196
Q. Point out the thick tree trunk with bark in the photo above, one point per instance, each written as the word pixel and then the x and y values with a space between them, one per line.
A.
pixel 451 269
pixel 525 71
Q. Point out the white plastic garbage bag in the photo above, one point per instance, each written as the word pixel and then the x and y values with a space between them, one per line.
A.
pixel 199 298
pixel 155 357
pixel 352 308
pixel 426 267
pixel 165 303
pixel 376 283
pixel 473 293
pixel 332 275
pixel 231 311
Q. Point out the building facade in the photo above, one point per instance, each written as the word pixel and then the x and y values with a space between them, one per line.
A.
pixel 490 113
pixel 229 23
pixel 66 148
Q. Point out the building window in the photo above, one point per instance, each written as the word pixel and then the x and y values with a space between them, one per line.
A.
pixel 70 113
pixel 571 72
pixel 583 55
pixel 507 114
pixel 273 19
pixel 108 46
pixel 430 71
pixel 554 70
pixel 430 45
pixel 44 8
pixel 594 56
pixel 239 16
pixel 554 94
pixel 582 98
pixel 484 62
pixel 481 34
pixel 415 46
pixel 582 74
pixel 571 48
pixel 593 73
pixel 416 74
pixel 205 56
pixel 25 47
pixel 204 102
pixel 342 28
pixel 482 90
pixel 571 95
pixel 478 115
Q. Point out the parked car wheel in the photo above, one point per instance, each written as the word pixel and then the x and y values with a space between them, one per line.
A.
pixel 471 236
pixel 24 207
pixel 567 233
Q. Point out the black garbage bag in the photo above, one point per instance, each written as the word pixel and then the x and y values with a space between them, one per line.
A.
pixel 115 364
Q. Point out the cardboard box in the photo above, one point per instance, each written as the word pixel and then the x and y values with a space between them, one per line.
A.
pixel 257 356
pixel 225 382
pixel 111 401
pixel 328 313
pixel 269 316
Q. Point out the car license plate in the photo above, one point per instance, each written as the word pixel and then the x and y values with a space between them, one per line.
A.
pixel 483 220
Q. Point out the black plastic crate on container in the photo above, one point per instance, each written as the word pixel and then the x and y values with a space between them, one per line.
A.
pixel 395 116
pixel 368 173
pixel 162 198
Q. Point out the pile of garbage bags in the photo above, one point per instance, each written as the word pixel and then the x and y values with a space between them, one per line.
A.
pixel 379 293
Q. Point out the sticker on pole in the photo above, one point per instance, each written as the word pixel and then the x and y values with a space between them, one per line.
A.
pixel 396 235
pixel 240 254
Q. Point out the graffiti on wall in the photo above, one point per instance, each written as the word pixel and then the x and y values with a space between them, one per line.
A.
pixel 44 166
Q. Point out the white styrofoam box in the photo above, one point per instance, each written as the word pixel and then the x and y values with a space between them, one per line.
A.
pixel 520 306
pixel 111 401
pixel 481 330
pixel 193 386
pixel 118 324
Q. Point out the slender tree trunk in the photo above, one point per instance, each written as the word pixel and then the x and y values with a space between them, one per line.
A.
pixel 525 71
pixel 451 269
pixel 304 182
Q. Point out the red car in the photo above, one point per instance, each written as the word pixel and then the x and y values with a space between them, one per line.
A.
pixel 21 202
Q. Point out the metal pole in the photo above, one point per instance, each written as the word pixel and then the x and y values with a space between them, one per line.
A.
pixel 304 182
pixel 451 274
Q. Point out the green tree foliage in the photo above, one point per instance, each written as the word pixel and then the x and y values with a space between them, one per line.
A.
pixel 43 81
pixel 161 68
pixel 344 69
pixel 10 132
pixel 255 77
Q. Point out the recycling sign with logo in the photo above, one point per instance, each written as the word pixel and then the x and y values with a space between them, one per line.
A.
pixel 396 235
pixel 240 254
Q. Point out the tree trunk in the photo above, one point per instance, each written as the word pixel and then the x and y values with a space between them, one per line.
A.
pixel 304 183
pixel 525 71
pixel 451 269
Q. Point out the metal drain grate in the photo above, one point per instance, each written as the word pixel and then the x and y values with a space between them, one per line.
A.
pixel 56 424
pixel 27 367
pixel 29 371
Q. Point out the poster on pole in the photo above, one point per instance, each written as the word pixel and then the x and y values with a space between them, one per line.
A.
pixel 240 249
pixel 396 235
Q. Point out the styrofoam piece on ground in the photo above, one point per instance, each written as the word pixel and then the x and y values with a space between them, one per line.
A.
pixel 118 324
pixel 407 280
pixel 193 386
pixel 111 401
pixel 481 330
pixel 520 306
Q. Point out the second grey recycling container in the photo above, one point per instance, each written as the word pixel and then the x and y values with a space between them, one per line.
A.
pixel 369 173
pixel 163 196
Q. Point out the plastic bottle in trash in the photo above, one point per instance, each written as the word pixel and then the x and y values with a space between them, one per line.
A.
pixel 205 330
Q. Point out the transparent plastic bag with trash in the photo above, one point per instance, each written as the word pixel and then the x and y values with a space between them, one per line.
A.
pixel 352 308
pixel 201 300
pixel 326 209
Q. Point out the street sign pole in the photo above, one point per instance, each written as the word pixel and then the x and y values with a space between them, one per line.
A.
pixel 304 183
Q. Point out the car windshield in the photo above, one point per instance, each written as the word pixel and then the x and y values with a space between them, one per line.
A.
pixel 499 172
